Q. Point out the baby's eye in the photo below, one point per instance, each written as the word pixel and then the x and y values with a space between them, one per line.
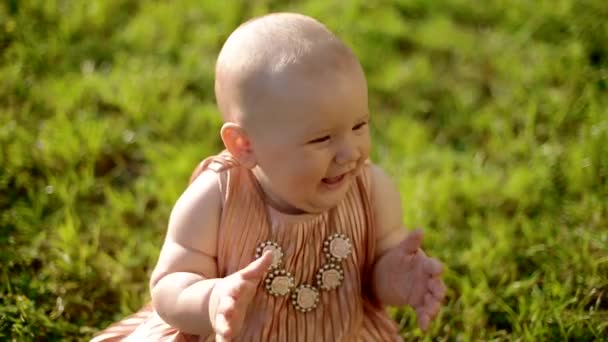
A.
pixel 319 140
pixel 359 126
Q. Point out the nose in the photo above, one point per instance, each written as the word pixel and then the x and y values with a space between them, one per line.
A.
pixel 347 153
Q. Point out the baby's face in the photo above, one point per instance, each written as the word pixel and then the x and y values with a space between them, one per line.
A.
pixel 312 141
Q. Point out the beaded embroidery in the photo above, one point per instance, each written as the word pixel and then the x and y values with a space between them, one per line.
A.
pixel 305 297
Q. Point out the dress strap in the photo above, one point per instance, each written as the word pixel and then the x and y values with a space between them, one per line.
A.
pixel 218 163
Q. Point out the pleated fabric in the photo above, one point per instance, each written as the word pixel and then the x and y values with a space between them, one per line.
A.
pixel 347 313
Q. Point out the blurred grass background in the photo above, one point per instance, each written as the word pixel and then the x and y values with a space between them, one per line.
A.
pixel 492 116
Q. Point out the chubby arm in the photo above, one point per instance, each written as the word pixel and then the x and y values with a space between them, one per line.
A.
pixel 386 204
pixel 388 213
pixel 186 271
pixel 402 272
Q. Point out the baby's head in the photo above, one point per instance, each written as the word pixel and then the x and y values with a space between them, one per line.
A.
pixel 294 102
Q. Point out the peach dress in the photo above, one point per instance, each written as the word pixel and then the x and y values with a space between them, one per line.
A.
pixel 346 313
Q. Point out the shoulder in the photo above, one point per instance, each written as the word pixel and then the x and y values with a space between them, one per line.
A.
pixel 190 243
pixel 194 219
pixel 387 209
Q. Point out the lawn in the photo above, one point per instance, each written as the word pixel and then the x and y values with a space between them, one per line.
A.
pixel 492 117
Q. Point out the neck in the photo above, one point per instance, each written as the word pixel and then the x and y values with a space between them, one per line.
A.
pixel 271 198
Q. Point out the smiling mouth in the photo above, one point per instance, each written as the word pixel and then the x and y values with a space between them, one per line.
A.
pixel 333 180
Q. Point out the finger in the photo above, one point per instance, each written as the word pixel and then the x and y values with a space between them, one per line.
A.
pixel 220 338
pixel 423 319
pixel 255 270
pixel 437 288
pixel 433 267
pixel 424 322
pixel 222 327
pixel 431 305
pixel 412 242
pixel 225 332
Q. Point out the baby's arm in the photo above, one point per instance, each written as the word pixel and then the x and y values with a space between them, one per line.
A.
pixel 185 273
pixel 186 292
pixel 402 273
pixel 386 203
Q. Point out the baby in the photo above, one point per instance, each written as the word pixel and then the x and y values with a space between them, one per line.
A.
pixel 290 234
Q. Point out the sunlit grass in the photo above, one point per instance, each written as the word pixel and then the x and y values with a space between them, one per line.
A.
pixel 492 118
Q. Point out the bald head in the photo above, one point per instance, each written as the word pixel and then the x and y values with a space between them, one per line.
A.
pixel 268 58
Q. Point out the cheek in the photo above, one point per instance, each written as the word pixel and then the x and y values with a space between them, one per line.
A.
pixel 365 146
pixel 366 150
pixel 309 167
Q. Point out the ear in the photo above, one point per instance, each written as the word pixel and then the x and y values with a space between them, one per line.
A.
pixel 237 142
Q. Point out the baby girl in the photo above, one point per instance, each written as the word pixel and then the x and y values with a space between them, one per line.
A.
pixel 291 233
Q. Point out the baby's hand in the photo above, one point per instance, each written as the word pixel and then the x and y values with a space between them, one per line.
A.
pixel 419 281
pixel 232 295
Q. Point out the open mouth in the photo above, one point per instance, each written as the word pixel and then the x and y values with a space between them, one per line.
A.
pixel 333 180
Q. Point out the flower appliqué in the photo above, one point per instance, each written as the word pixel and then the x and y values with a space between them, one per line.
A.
pixel 305 297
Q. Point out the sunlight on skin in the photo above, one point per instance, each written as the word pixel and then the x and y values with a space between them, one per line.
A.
pixel 297 116
pixel 492 119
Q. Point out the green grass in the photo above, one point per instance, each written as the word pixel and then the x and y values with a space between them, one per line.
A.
pixel 492 117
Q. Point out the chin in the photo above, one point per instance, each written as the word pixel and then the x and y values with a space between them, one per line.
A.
pixel 329 203
pixel 326 200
